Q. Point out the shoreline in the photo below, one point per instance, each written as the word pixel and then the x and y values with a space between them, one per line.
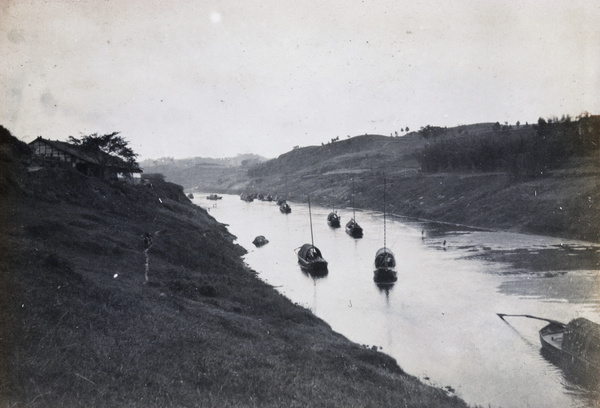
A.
pixel 81 327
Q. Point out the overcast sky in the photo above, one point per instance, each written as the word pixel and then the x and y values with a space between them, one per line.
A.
pixel 185 78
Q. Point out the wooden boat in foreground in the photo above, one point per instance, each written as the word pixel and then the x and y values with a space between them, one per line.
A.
pixel 310 258
pixel 574 346
pixel 385 261
pixel 385 264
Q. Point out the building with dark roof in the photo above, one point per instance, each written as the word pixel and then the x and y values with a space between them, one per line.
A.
pixel 62 154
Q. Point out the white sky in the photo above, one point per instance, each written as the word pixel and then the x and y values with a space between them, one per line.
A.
pixel 185 78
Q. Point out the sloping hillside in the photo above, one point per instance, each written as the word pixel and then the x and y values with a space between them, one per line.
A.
pixel 203 173
pixel 562 201
pixel 359 154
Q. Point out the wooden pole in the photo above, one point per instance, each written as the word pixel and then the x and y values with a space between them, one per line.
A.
pixel 311 228
pixel 384 226
pixel 503 315
pixel 353 207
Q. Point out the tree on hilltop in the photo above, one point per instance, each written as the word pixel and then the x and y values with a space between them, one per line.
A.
pixel 108 150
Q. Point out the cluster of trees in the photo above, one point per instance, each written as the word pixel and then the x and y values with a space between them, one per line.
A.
pixel 110 151
pixel 431 132
pixel 525 151
pixel 102 147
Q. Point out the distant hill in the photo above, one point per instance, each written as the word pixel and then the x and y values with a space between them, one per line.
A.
pixel 201 172
pixel 239 160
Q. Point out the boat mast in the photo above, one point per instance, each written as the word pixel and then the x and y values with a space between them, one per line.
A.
pixel 384 225
pixel 312 241
pixel 353 208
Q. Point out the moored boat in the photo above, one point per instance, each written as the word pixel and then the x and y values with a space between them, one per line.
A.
pixel 576 342
pixel 385 264
pixel 247 197
pixel 333 219
pixel 311 259
pixel 575 346
pixel 285 208
pixel 213 197
pixel 352 227
pixel 385 261
pixel 260 241
pixel 309 256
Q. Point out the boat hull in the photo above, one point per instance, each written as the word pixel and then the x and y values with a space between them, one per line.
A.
pixel 385 275
pixel 551 337
pixel 318 267
pixel 577 368
pixel 353 229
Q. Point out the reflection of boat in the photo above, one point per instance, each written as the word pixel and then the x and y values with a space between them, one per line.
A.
pixel 310 258
pixel 333 219
pixel 352 227
pixel 285 208
pixel 260 241
pixel 385 262
pixel 575 346
pixel 213 197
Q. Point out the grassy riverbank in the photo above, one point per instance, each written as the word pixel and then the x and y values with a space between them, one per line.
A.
pixel 562 202
pixel 81 327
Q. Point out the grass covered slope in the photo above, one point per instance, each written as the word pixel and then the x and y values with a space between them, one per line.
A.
pixel 493 193
pixel 80 328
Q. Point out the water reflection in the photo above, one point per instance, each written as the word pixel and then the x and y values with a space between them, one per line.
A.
pixel 439 320
pixel 385 288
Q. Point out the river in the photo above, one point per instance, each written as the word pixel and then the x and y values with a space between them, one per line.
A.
pixel 439 320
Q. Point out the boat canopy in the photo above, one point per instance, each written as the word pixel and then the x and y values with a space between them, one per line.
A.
pixel 582 337
pixel 384 258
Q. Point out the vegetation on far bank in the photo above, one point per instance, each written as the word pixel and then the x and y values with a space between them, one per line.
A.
pixel 79 327
pixel 523 151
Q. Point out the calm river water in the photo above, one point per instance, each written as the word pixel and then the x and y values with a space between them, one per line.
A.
pixel 439 319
